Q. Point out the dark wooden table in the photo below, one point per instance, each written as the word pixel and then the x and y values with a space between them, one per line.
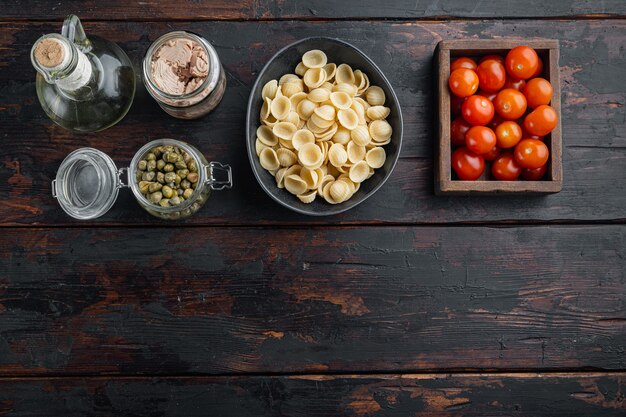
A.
pixel 409 304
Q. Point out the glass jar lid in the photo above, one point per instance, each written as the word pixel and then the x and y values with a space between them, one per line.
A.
pixel 87 183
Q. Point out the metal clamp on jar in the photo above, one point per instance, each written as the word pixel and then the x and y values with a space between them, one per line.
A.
pixel 88 181
pixel 183 73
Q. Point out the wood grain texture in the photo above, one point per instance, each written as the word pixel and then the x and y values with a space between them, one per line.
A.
pixel 232 300
pixel 309 9
pixel 593 113
pixel 429 395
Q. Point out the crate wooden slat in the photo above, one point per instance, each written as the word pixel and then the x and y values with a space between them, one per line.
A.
pixel 548 50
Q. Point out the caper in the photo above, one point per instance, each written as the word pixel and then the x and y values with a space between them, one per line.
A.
pixel 148 176
pixel 150 157
pixel 168 148
pixel 187 158
pixel 151 165
pixel 170 177
pixel 185 184
pixel 179 192
pixel 142 165
pixel 164 202
pixel 143 186
pixel 180 165
pixel 157 150
pixel 160 164
pixel 192 177
pixel 156 197
pixel 182 172
pixel 187 193
pixel 155 186
pixel 138 175
pixel 167 192
pixel 160 177
pixel 175 200
pixel 193 167
pixel 177 179
pixel 194 185
pixel 168 168
pixel 171 157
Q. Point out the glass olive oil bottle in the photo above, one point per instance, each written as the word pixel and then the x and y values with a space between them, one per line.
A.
pixel 83 84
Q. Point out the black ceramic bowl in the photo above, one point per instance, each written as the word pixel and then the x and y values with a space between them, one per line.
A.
pixel 284 62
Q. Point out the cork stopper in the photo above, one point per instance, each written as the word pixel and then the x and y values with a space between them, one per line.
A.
pixel 49 53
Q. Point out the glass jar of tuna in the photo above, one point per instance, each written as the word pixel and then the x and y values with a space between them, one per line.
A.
pixel 183 73
pixel 169 178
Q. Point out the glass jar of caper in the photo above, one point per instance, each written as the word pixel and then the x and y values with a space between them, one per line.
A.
pixel 172 180
pixel 169 178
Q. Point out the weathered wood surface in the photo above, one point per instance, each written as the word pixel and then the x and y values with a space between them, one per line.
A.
pixel 231 300
pixel 592 61
pixel 429 395
pixel 182 316
pixel 308 9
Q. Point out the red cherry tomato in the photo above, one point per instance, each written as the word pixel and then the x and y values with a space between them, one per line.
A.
pixel 492 154
pixel 514 83
pixel 467 165
pixel 539 69
pixel 477 110
pixel 538 91
pixel 491 75
pixel 458 129
pixel 480 139
pixel 534 174
pixel 531 153
pixel 498 58
pixel 510 104
pixel 541 121
pixel 508 134
pixel 526 134
pixel 490 96
pixel 463 82
pixel 521 62
pixel 504 168
pixel 463 62
pixel 456 103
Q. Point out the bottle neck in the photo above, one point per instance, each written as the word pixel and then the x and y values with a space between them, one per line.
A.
pixel 79 77
pixel 61 63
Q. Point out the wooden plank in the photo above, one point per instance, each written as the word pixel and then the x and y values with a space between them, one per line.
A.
pixel 429 395
pixel 231 300
pixel 593 109
pixel 309 9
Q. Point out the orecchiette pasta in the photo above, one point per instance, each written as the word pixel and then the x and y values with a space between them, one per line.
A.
pixel 322 129
pixel 269 90
pixel 314 59
pixel 280 107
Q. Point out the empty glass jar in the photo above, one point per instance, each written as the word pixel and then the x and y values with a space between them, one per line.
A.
pixel 88 181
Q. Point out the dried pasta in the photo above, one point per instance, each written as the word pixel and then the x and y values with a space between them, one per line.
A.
pixel 322 129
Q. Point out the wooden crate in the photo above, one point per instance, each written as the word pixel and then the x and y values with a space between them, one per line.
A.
pixel 548 51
